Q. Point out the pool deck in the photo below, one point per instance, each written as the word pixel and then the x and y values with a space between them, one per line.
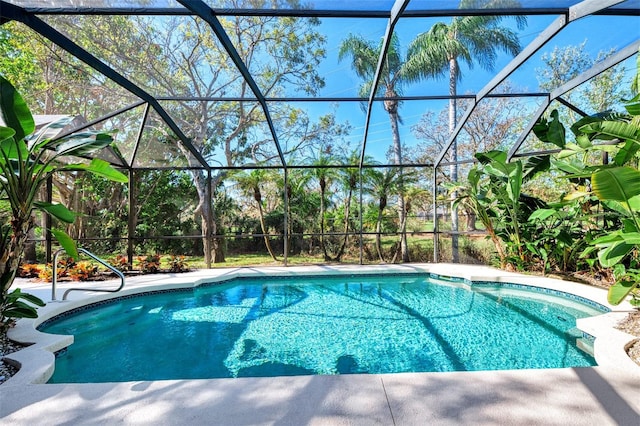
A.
pixel 605 395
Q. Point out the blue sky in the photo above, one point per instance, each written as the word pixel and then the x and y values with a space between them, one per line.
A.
pixel 600 33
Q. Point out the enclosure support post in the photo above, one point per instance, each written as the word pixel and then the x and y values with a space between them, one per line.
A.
pixel 360 214
pixel 286 216
pixel 436 236
pixel 47 221
pixel 209 211
pixel 131 226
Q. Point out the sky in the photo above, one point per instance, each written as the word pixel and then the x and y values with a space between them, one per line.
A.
pixel 342 81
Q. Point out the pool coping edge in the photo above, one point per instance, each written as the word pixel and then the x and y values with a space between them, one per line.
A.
pixel 37 361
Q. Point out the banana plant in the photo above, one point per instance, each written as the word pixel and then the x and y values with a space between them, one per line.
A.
pixel 615 184
pixel 494 192
pixel 27 160
pixel 619 189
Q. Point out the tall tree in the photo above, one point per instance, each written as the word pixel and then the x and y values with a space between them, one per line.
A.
pixel 249 183
pixel 397 70
pixel 379 184
pixel 324 174
pixel 177 56
pixel 471 39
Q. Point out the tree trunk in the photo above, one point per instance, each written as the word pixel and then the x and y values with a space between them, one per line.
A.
pixel 346 226
pixel 453 168
pixel 264 232
pixel 322 207
pixel 471 221
pixel 378 243
pixel 392 109
pixel 12 253
pixel 213 250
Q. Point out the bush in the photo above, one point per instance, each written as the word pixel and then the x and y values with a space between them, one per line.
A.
pixel 83 271
pixel 149 264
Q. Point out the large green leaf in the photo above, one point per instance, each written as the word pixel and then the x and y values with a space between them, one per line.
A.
pixel 101 168
pixel 534 165
pixel 48 132
pixel 617 183
pixel 619 291
pixel 6 134
pixel 66 242
pixel 626 153
pixel 542 214
pixel 515 182
pixel 80 144
pixel 30 298
pixel 551 131
pixel 608 239
pixel 608 130
pixel 613 254
pixel 22 310
pixel 10 146
pixel 15 112
pixel 56 210
pixel 633 105
pixel 633 206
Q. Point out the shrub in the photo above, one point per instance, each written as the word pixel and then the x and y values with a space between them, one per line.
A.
pixel 149 264
pixel 177 264
pixel 120 262
pixel 83 271
pixel 29 270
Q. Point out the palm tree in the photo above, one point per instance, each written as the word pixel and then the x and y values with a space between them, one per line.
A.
pixel 380 184
pixel 249 183
pixel 397 71
pixel 324 174
pixel 349 177
pixel 301 207
pixel 470 39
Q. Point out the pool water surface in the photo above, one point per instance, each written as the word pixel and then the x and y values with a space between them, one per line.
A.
pixel 329 325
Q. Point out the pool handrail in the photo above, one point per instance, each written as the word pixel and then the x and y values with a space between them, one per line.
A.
pixel 54 278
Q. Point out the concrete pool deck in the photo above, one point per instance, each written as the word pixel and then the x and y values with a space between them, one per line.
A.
pixel 605 395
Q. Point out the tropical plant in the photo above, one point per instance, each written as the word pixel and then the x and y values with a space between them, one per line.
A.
pixel 27 161
pixel 349 177
pixel 324 174
pixel 615 184
pixel 494 193
pixel 249 183
pixel 380 184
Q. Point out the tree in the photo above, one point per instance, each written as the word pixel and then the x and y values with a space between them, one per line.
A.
pixel 177 56
pixel 470 39
pixel 380 184
pixel 249 183
pixel 324 174
pixel 397 70
pixel 349 178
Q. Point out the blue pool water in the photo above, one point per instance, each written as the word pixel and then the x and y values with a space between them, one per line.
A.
pixel 302 326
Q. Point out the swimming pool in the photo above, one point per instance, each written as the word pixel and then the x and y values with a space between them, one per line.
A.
pixel 320 325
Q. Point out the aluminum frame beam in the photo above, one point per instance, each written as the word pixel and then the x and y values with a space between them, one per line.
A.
pixel 580 10
pixel 207 14
pixel 314 13
pixel 621 55
pixel 396 11
pixel 13 12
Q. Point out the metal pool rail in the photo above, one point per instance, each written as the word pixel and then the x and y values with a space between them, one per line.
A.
pixel 54 279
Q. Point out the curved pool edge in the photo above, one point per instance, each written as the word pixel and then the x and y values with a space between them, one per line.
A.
pixel 37 361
